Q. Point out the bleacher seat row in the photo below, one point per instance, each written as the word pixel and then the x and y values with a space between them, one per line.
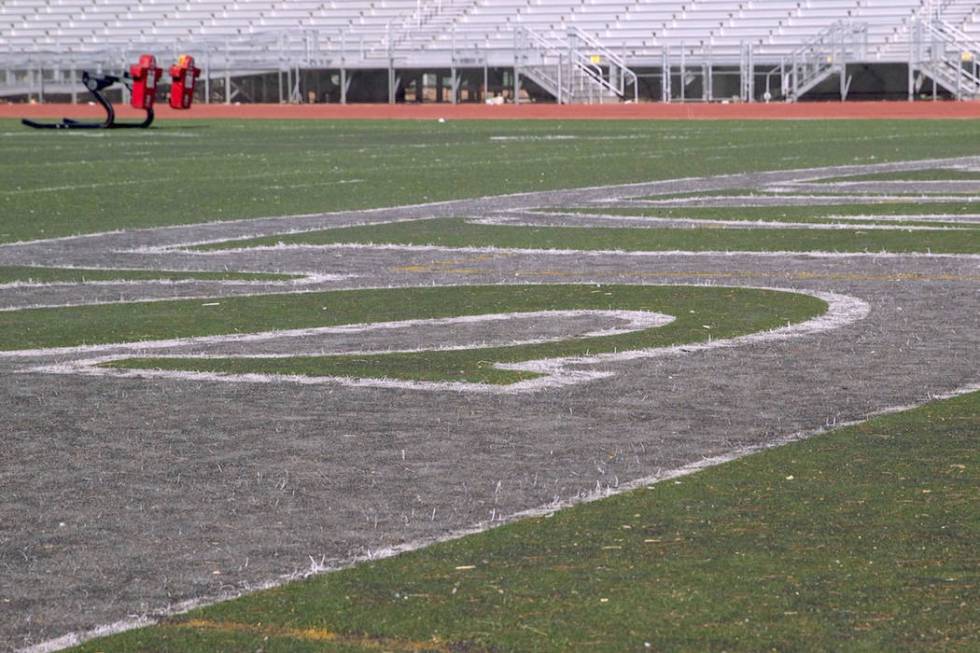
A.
pixel 426 30
pixel 375 34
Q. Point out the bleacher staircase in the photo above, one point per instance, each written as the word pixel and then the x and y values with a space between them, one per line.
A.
pixel 576 69
pixel 946 55
pixel 825 55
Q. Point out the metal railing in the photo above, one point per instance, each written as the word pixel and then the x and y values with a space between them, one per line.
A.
pixel 572 65
pixel 826 54
pixel 607 66
pixel 946 55
pixel 540 59
pixel 576 69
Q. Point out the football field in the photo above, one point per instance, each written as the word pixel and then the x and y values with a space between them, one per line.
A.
pixel 491 386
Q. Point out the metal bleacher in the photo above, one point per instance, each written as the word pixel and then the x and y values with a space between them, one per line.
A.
pixel 293 35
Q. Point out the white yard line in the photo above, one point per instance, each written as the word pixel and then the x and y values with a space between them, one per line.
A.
pixel 762 199
pixel 301 279
pixel 182 247
pixel 802 174
pixel 212 295
pixel 655 222
pixel 575 252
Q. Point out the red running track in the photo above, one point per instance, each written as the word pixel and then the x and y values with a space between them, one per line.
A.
pixel 643 111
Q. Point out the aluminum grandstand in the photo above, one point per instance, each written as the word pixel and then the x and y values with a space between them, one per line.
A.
pixel 499 50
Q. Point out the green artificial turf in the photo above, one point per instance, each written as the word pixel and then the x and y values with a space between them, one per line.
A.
pixel 861 539
pixel 55 183
pixel 459 232
pixel 931 174
pixel 701 314
pixel 29 274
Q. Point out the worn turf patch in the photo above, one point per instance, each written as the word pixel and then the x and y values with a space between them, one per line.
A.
pixel 701 314
pixel 861 539
pixel 460 232
pixel 30 274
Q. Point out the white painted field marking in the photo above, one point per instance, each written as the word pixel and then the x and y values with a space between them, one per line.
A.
pixel 148 299
pixel 655 222
pixel 576 252
pixel 855 312
pixel 301 279
pixel 761 198
pixel 183 247
pixel 316 569
pixel 714 182
pixel 554 373
pixel 340 182
pixel 635 321
pixel 544 137
pixel 969 185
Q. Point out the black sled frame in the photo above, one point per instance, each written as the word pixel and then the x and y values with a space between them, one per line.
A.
pixel 95 85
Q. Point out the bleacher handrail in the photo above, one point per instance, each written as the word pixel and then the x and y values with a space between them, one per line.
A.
pixel 615 61
pixel 939 49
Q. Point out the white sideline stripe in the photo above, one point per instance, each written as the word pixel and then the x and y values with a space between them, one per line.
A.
pixel 966 218
pixel 636 321
pixel 813 188
pixel 315 569
pixel 815 172
pixel 546 137
pixel 179 298
pixel 775 193
pixel 957 163
pixel 971 184
pixel 212 296
pixel 183 247
pixel 113 268
pixel 652 222
pixel 179 247
pixel 576 252
pixel 555 372
pixel 300 280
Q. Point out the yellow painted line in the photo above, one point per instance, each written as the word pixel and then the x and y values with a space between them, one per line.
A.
pixel 434 269
pixel 450 265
